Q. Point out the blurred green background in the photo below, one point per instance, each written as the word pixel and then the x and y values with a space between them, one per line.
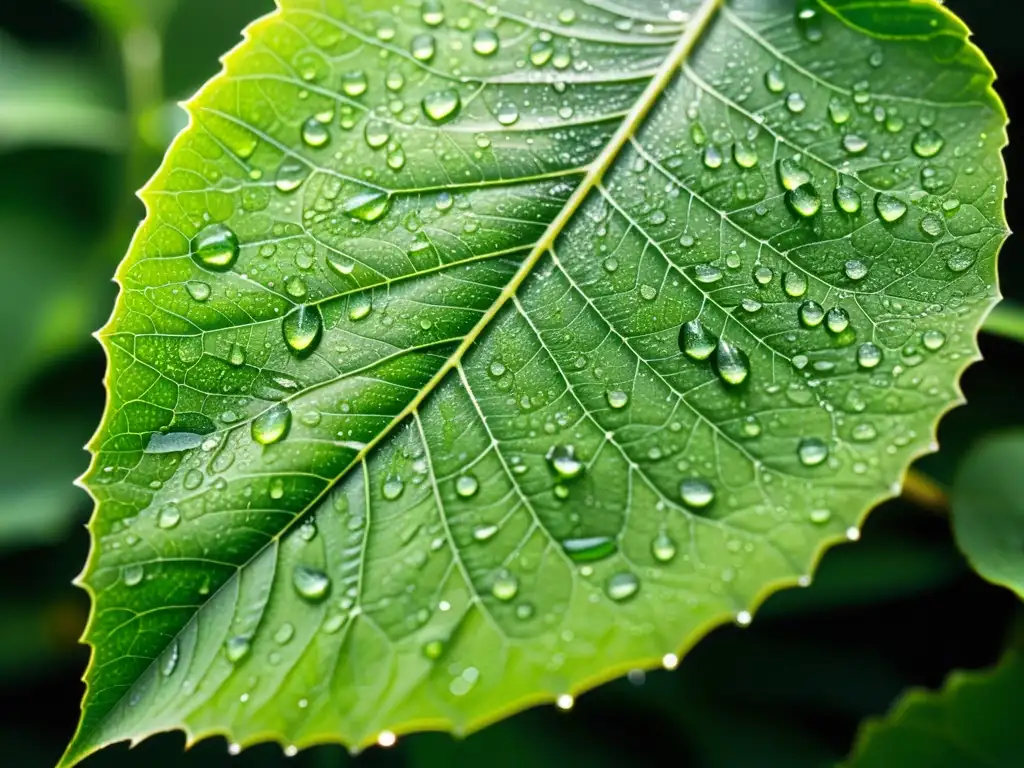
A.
pixel 88 93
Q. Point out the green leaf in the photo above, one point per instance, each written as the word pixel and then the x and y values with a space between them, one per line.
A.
pixel 400 433
pixel 973 721
pixel 988 509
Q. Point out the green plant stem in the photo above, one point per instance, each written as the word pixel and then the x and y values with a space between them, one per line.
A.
pixel 1006 320
pixel 921 491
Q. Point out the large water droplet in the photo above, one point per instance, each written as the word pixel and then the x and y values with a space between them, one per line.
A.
pixel 376 133
pixel 796 103
pixel 812 451
pixel 392 488
pixel 622 586
pixel 707 273
pixel 315 133
pixel 302 328
pixel 422 47
pixel 804 200
pixel 310 583
pixel 713 157
pixel 773 81
pixel 731 363
pixel 792 175
pixel 890 209
pixel 928 143
pixel 197 290
pixel 695 341
pixel 432 13
pixel 855 269
pixel 132 575
pixel 237 648
pixel 215 247
pixel 354 83
pixel 933 340
pixel 290 175
pixel 359 306
pixel 811 314
pixel 696 492
pixel 837 320
pixel 564 462
pixel 744 154
pixel 507 114
pixel 847 199
pixel 368 205
pixel 663 547
pixel 763 275
pixel 869 355
pixel 541 52
pixel 467 485
pixel 169 517
pixel 441 106
pixel 854 144
pixel 794 284
pixel 485 42
pixel 589 549
pixel 505 586
pixel 272 425
pixel 617 398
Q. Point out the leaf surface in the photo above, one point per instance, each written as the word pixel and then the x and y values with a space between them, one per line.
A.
pixel 405 430
pixel 971 723
pixel 988 510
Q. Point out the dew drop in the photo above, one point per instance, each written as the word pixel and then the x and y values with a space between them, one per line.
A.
pixel 284 634
pixel 811 314
pixel 617 398
pixel 847 199
pixel 272 425
pixel 804 200
pixel 485 42
pixel 796 103
pixel 359 306
pixel 170 662
pixel 432 13
pixel 197 290
pixel 215 247
pixel 869 355
pixel 505 586
pixel 541 52
pixel 354 83
pixel 433 649
pixel 392 488
pixel 794 284
pixel 663 548
pixel 890 209
pixel 773 81
pixel 931 225
pixel 792 175
pixel 340 264
pixel 713 157
pixel 648 292
pixel 169 517
pixel 854 144
pixel 838 111
pixel 368 205
pixel 763 275
pixel 589 549
pixel 132 575
pixel 441 106
pixel 376 133
pixel 933 340
pixel 290 175
pixel 837 320
pixel 960 260
pixel 928 143
pixel 820 516
pixel 563 461
pixel 484 532
pixel 622 586
pixel 744 154
pixel 696 492
pixel 422 47
pixel 310 583
pixel 237 648
pixel 466 486
pixel 751 426
pixel 812 451
pixel 302 328
pixel 695 341
pixel 731 363
pixel 315 133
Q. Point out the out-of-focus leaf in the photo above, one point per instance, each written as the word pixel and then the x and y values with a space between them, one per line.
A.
pixel 974 722
pixel 403 432
pixel 54 102
pixel 988 509
pixel 1007 319
pixel 123 15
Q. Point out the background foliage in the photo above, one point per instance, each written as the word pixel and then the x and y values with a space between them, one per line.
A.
pixel 87 92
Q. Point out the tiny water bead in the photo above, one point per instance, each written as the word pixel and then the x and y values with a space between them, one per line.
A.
pixel 731 363
pixel 804 200
pixel 302 328
pixel 310 583
pixel 433 649
pixel 869 355
pixel 837 320
pixel 589 548
pixel 272 425
pixel 466 486
pixel 695 341
pixel 622 586
pixel 617 399
pixel 890 209
pixel 505 586
pixel 215 247
pixel 811 314
pixel 696 492
pixel 794 284
pixel 315 133
pixel 763 275
pixel 563 461
pixel 484 532
pixel 812 451
pixel 847 199
pixel 237 648
pixel 441 106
